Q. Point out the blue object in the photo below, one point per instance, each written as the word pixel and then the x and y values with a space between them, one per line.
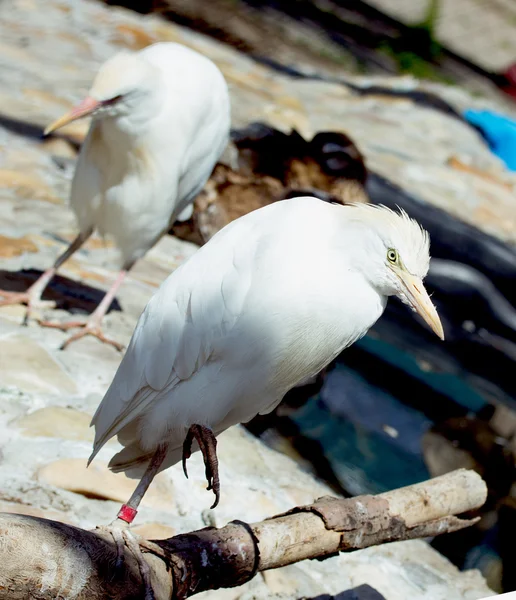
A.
pixel 453 385
pixel 500 132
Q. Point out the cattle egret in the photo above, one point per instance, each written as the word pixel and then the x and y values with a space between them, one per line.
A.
pixel 161 119
pixel 269 301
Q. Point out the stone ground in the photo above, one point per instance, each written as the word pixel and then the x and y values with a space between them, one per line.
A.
pixel 47 396
pixel 479 30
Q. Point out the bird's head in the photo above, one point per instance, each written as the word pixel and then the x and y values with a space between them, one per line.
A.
pixel 121 84
pixel 395 251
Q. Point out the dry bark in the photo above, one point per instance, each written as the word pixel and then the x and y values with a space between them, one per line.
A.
pixel 46 560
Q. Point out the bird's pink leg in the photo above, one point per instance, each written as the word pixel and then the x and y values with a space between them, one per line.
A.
pixel 208 446
pixel 128 511
pixel 118 529
pixel 32 296
pixel 93 326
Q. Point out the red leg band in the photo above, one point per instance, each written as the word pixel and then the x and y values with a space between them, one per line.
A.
pixel 127 513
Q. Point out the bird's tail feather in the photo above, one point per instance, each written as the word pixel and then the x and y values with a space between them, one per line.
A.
pixel 131 458
pixel 130 413
pixel 133 461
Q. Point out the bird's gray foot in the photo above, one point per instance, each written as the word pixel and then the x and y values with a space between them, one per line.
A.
pixel 123 537
pixel 90 327
pixel 208 446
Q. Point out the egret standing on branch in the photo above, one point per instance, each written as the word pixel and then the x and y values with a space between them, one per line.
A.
pixel 269 301
pixel 161 119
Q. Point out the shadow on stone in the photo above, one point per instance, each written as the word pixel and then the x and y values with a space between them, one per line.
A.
pixel 362 592
pixel 28 130
pixel 69 295
pixel 31 130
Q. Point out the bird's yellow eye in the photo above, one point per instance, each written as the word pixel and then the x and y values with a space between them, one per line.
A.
pixel 392 255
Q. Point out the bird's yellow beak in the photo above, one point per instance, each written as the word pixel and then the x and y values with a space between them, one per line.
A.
pixel 85 108
pixel 420 301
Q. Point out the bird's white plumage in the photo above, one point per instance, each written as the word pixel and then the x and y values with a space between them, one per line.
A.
pixel 141 165
pixel 413 241
pixel 268 301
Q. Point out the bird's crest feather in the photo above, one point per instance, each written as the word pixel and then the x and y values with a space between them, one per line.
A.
pixel 398 224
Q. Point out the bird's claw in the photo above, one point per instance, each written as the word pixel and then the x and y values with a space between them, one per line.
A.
pixel 122 536
pixel 208 446
pixel 88 328
pixel 116 534
pixel 134 547
pixel 187 445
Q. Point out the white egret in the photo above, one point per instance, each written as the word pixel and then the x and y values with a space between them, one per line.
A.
pixel 161 119
pixel 269 301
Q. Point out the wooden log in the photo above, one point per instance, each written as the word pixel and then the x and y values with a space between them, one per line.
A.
pixel 45 560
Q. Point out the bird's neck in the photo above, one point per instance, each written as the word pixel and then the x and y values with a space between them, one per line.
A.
pixel 118 133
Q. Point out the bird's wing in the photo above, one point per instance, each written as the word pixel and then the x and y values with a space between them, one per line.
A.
pixel 86 184
pixel 179 329
pixel 198 113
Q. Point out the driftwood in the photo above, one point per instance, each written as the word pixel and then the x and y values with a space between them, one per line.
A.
pixel 46 560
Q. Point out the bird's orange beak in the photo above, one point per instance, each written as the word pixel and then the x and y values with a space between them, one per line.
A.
pixel 420 301
pixel 85 108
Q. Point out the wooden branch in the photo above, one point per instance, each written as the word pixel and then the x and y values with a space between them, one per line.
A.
pixel 44 559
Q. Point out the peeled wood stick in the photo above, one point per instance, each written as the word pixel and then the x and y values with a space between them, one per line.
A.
pixel 422 510
pixel 45 559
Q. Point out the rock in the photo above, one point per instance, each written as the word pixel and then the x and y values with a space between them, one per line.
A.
pixel 456 28
pixel 10 247
pixel 77 269
pixel 57 422
pixel 149 272
pixel 31 511
pixel 28 366
pixel 27 185
pixel 398 571
pixel 96 243
pixel 442 456
pixel 59 147
pixel 97 481
pixel 289 582
pixel 503 421
pixel 134 38
pixel 154 531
